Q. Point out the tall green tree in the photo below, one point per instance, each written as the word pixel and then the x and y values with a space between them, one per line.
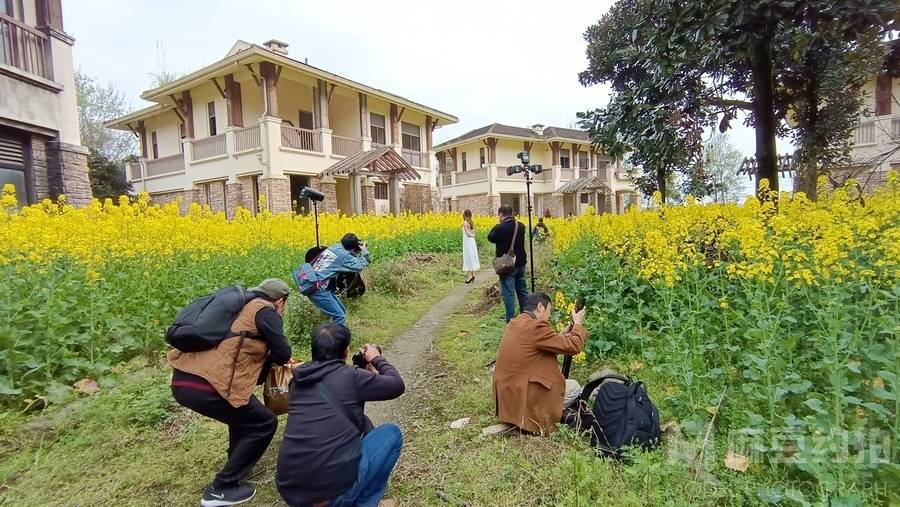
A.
pixel 107 176
pixel 676 67
pixel 98 104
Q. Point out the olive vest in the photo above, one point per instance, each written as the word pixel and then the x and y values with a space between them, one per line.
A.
pixel 233 366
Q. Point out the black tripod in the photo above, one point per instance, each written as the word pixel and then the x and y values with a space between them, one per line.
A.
pixel 530 229
pixel 528 169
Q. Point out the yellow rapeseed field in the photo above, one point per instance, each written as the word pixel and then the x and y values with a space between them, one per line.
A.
pixel 106 230
pixel 840 234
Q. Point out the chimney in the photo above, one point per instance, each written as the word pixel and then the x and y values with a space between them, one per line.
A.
pixel 276 46
pixel 538 129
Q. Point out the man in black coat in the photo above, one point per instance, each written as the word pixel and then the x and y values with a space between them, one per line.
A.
pixel 512 285
pixel 331 454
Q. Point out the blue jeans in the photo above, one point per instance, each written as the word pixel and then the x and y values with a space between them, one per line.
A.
pixel 330 305
pixel 380 450
pixel 513 285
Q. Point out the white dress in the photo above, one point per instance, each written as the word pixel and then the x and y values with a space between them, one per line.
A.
pixel 470 253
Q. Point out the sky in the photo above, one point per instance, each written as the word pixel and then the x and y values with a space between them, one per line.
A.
pixel 512 62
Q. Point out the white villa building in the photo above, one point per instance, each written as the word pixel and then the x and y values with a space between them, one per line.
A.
pixel 258 123
pixel 575 175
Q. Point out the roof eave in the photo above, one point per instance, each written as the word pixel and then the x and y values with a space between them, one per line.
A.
pixel 187 82
pixel 121 123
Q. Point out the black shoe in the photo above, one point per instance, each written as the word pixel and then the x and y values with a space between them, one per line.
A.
pixel 219 497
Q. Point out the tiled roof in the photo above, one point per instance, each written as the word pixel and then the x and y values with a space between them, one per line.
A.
pixel 500 130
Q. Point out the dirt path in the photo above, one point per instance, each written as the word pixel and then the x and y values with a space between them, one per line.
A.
pixel 409 351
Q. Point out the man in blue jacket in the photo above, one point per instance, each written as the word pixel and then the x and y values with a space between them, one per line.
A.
pixel 350 255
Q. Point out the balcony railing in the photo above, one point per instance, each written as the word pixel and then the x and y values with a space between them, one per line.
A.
pixel 24 48
pixel 446 179
pixel 584 173
pixel 413 157
pixel 864 134
pixel 895 129
pixel 301 139
pixel 567 174
pixel 545 175
pixel 246 139
pixel 134 171
pixel 208 148
pixel 471 176
pixel 345 146
pixel 165 165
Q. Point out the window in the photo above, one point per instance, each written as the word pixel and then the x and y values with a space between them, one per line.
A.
pixel 181 136
pixel 376 128
pixel 882 95
pixel 564 158
pixel 12 166
pixel 208 194
pixel 583 160
pixel 381 190
pixel 154 144
pixel 306 120
pixel 463 159
pixel 211 112
pixel 410 136
pixel 13 9
pixel 481 156
pixel 585 198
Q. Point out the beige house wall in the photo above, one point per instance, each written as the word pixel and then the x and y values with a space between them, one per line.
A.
pixel 274 160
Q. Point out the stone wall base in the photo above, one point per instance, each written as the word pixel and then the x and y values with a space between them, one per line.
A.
pixel 61 168
pixel 478 204
pixel 277 192
pixel 416 198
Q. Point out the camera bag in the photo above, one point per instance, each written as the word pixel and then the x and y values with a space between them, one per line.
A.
pixel 506 263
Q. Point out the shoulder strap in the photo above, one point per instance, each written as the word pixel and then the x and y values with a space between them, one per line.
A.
pixel 325 392
pixel 512 243
pixel 590 386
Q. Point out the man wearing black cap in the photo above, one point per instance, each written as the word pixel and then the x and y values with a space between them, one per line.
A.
pixel 218 383
pixel 350 255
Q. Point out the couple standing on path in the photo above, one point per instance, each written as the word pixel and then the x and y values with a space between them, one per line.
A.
pixel 508 235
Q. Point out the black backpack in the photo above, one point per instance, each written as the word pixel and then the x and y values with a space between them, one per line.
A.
pixel 207 320
pixel 622 415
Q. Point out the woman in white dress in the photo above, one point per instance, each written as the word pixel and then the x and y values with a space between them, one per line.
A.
pixel 470 249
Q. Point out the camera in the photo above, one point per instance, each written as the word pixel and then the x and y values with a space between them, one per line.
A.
pixel 312 194
pixel 359 360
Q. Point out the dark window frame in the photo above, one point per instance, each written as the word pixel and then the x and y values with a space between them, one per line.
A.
pixel 377 129
pixel 211 118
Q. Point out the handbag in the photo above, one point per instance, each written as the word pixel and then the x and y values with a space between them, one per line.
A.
pixel 506 263
pixel 276 389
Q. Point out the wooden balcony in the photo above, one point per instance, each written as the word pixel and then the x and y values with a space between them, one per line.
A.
pixel 415 158
pixel 345 146
pixel 209 147
pixel 246 139
pixel 300 139
pixel 164 165
pixel 24 48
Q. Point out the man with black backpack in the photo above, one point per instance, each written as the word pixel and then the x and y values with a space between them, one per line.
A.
pixel 215 377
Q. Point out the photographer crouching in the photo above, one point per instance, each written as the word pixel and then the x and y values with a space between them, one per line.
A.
pixel 331 453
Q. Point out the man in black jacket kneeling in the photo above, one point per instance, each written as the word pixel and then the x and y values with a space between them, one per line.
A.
pixel 331 453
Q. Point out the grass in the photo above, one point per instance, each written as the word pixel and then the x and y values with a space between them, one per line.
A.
pixel 132 445
pixel 441 466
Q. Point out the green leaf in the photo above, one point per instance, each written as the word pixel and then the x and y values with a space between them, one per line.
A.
pixel 815 404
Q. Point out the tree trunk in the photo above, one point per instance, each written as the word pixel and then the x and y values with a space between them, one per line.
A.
pixel 806 171
pixel 764 112
pixel 661 183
